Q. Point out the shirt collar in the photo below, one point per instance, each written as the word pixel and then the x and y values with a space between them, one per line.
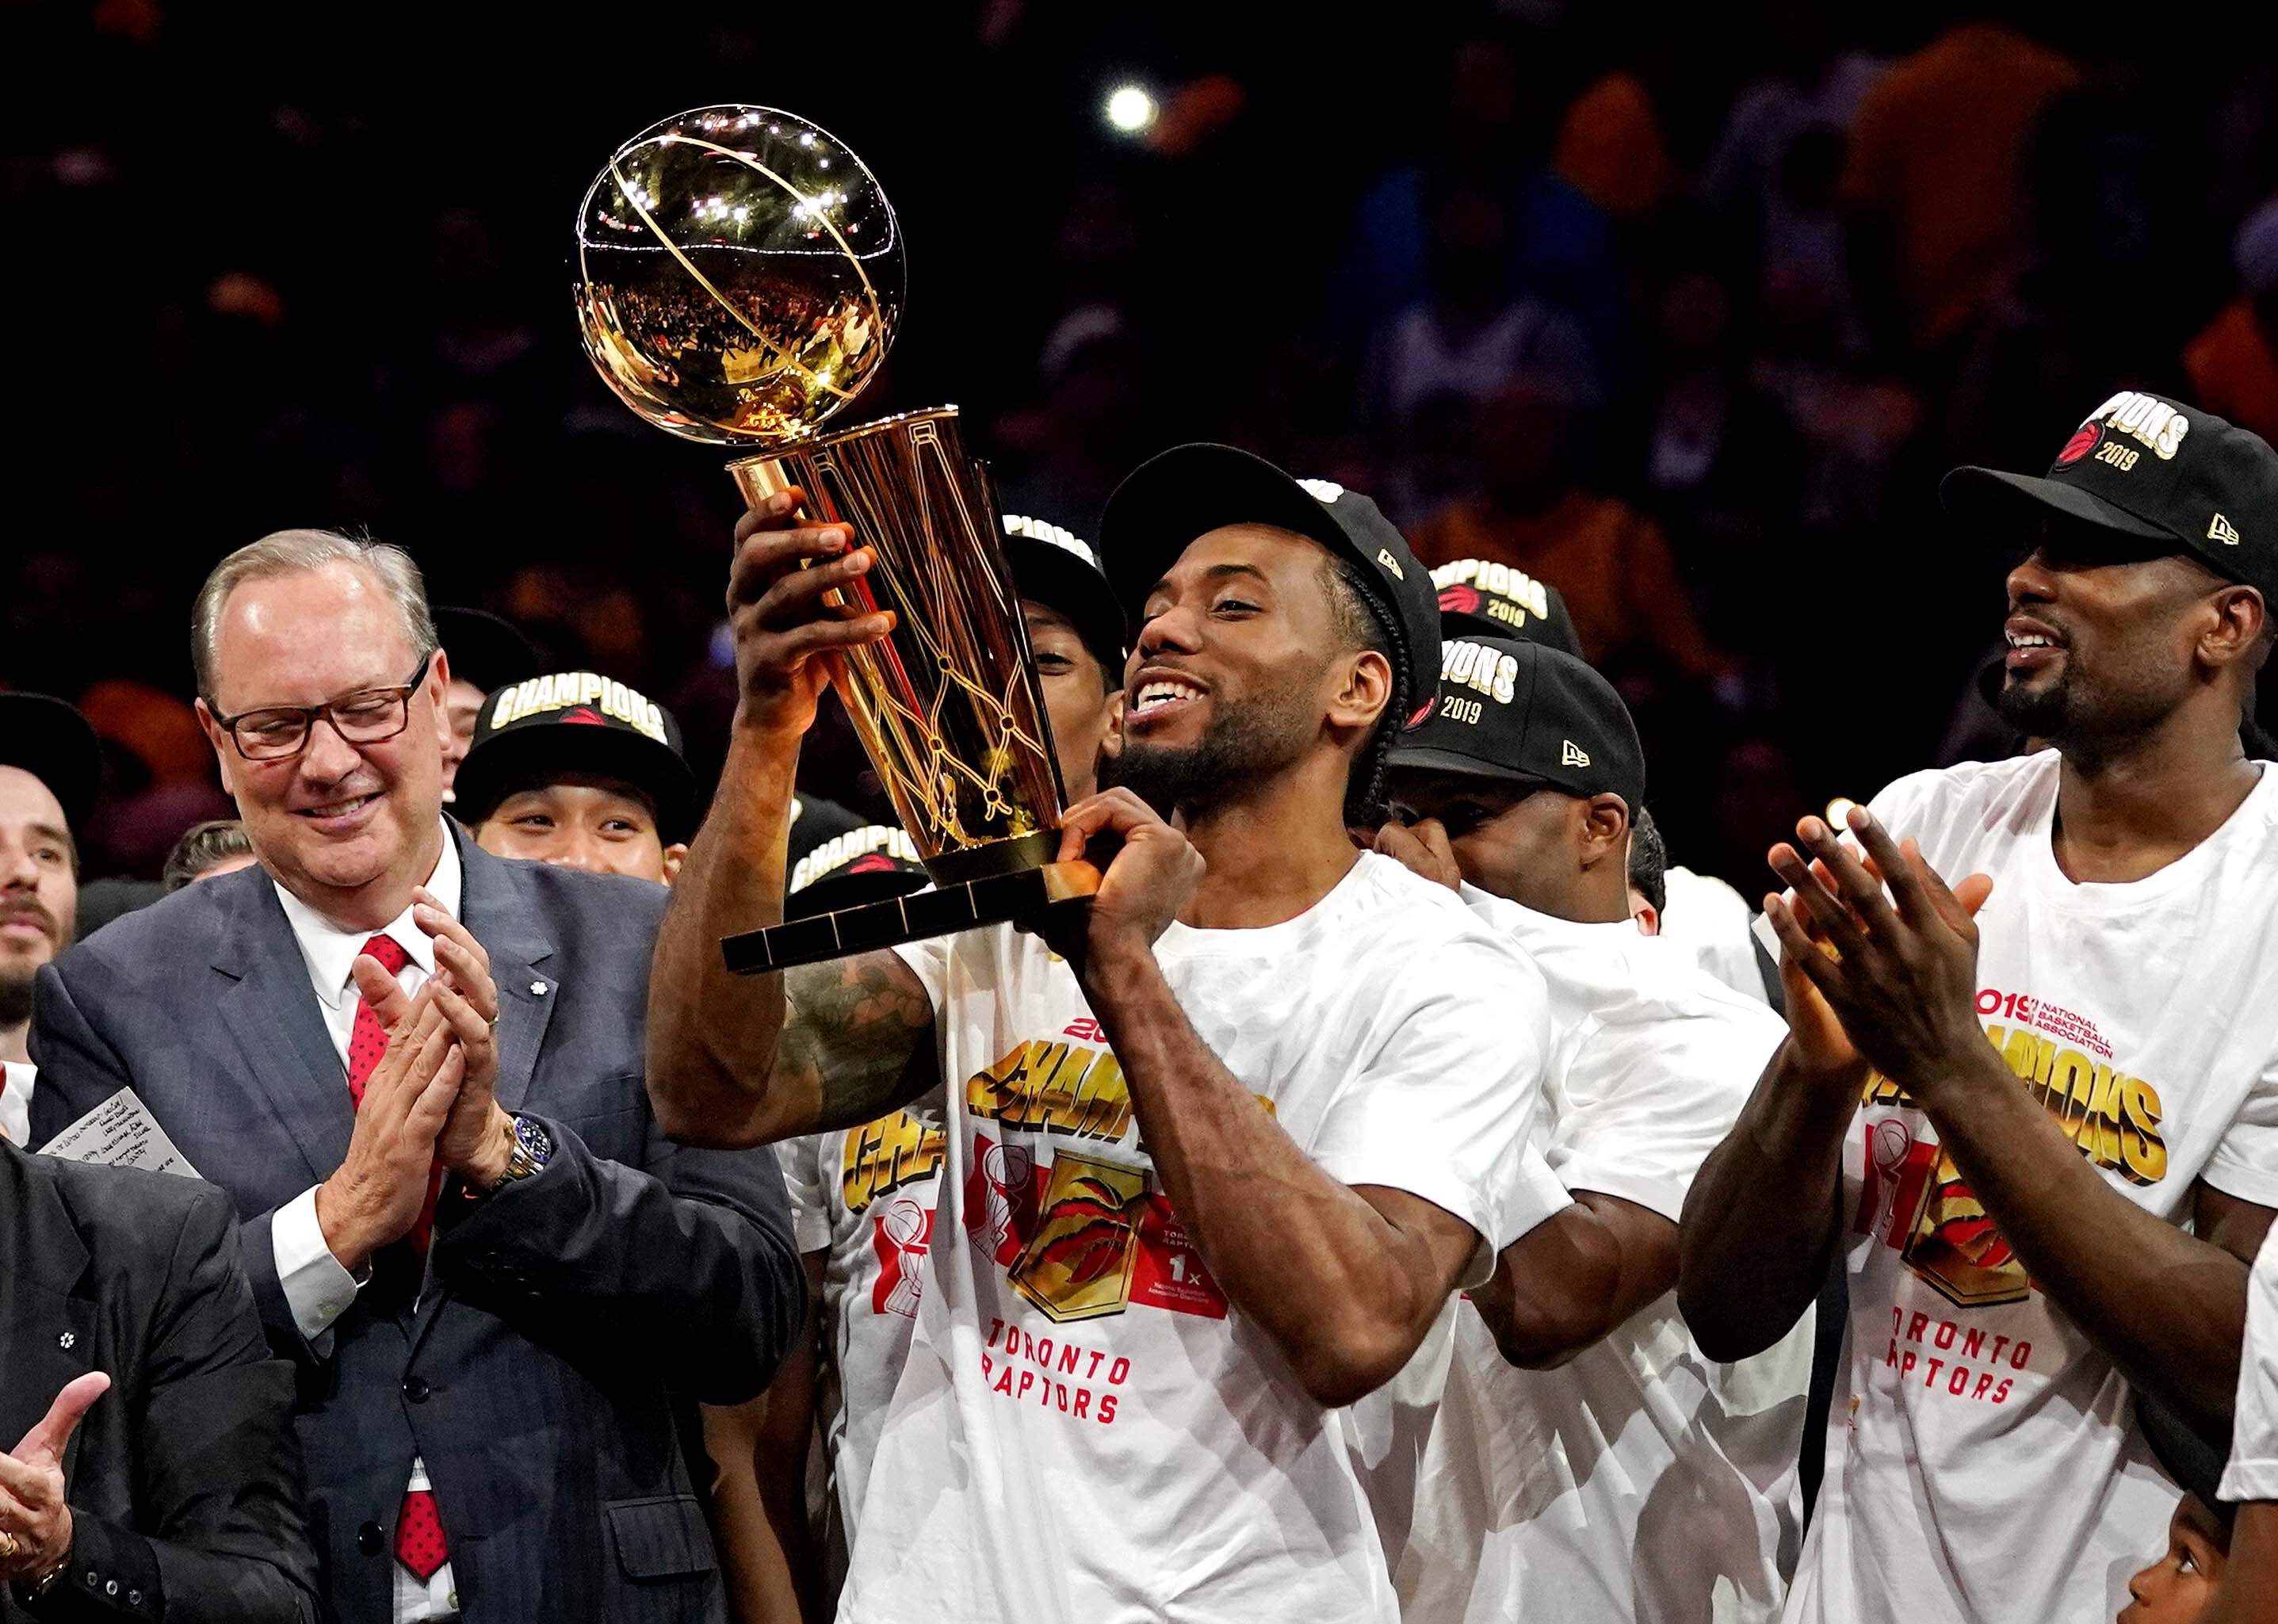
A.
pixel 330 952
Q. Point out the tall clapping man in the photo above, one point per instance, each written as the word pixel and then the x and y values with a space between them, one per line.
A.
pixel 1214 1158
pixel 2041 1141
pixel 496 1275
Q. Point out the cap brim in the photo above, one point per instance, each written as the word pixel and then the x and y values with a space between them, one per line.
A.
pixel 1189 490
pixel 1429 760
pixel 834 892
pixel 55 744
pixel 484 649
pixel 501 766
pixel 1985 496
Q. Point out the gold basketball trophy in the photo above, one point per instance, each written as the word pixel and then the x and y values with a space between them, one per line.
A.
pixel 740 278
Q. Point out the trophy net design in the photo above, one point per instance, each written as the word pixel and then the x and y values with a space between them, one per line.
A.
pixel 948 706
pixel 740 277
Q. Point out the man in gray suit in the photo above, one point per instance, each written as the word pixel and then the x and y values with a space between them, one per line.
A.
pixel 500 1283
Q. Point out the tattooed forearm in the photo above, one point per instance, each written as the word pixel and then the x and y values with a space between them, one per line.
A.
pixel 857 1039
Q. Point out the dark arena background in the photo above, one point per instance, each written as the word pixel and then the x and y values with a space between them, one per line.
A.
pixel 272 265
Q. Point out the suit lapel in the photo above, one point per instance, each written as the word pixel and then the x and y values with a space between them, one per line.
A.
pixel 271 1011
pixel 497 907
pixel 47 1328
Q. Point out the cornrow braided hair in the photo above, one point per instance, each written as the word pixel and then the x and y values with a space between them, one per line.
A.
pixel 1359 626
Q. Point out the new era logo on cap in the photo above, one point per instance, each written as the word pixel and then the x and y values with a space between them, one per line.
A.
pixel 1384 557
pixel 1574 755
pixel 2221 530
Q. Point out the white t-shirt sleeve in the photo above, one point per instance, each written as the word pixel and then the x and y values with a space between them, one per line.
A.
pixel 928 960
pixel 2253 1473
pixel 2245 1161
pixel 1442 1106
pixel 805 1162
pixel 1644 1102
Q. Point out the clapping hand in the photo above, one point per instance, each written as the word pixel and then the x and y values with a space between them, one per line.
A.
pixel 1889 981
pixel 35 1522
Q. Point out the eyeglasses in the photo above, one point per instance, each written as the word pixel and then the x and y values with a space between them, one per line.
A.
pixel 276 732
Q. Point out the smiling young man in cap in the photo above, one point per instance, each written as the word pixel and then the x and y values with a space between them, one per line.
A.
pixel 51 766
pixel 2012 1215
pixel 575 769
pixel 1586 1460
pixel 1209 1176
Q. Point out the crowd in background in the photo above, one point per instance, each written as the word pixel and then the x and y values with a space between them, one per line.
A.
pixel 1682 309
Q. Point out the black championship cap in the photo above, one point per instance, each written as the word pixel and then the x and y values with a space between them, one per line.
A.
pixel 52 742
pixel 864 864
pixel 485 650
pixel 1481 599
pixel 1526 714
pixel 576 722
pixel 2155 470
pixel 1054 567
pixel 1189 491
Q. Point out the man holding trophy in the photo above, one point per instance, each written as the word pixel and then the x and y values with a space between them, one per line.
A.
pixel 1218 1160
pixel 1226 1124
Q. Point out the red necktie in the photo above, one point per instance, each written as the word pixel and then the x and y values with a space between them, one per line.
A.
pixel 419 1542
pixel 367 1044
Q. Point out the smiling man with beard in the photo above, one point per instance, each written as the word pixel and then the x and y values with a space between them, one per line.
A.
pixel 51 766
pixel 2030 1224
pixel 1217 1151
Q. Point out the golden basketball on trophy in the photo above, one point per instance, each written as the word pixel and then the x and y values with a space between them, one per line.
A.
pixel 740 277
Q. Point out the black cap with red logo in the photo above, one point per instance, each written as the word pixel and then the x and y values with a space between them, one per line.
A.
pixel 576 722
pixel 1479 597
pixel 864 864
pixel 2156 469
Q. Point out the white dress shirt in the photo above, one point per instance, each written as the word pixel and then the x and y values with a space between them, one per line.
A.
pixel 316 1288
pixel 15 1102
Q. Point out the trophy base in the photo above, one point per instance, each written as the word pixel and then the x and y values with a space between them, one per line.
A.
pixel 993 857
pixel 955 907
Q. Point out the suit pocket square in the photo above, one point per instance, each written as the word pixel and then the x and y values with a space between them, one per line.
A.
pixel 663 1537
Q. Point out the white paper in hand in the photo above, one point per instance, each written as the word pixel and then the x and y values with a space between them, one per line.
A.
pixel 121 1133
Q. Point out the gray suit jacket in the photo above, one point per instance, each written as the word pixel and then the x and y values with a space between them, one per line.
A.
pixel 566 1319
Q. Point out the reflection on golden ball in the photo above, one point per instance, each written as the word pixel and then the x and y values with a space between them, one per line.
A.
pixel 739 275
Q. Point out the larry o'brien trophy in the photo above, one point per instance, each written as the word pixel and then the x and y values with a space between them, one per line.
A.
pixel 739 280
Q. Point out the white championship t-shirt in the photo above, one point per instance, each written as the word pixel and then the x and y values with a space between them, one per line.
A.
pixel 1981 1463
pixel 865 1199
pixel 1085 1432
pixel 2251 1473
pixel 1641 1480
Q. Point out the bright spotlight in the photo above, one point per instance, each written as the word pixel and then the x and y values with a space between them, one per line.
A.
pixel 1131 109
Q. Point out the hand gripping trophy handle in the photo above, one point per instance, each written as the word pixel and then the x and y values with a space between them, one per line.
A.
pixel 948 708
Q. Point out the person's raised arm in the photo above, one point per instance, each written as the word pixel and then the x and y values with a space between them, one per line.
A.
pixel 2166 1306
pixel 1345 1279
pixel 744 1060
pixel 1763 1217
